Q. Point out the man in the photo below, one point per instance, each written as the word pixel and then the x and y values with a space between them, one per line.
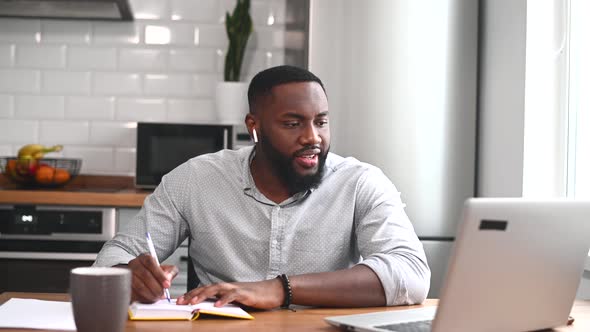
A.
pixel 282 222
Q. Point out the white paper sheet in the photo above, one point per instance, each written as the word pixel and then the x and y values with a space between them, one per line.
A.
pixel 37 314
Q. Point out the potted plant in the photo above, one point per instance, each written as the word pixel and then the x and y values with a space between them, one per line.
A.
pixel 231 94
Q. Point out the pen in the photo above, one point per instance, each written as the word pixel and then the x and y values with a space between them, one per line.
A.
pixel 153 253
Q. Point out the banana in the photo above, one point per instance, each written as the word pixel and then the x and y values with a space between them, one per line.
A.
pixel 36 151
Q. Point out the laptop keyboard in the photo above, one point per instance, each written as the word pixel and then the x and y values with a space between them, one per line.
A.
pixel 418 326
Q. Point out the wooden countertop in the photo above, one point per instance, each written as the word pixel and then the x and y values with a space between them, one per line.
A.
pixel 304 319
pixel 86 190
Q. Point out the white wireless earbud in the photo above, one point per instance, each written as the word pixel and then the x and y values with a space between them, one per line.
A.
pixel 255 136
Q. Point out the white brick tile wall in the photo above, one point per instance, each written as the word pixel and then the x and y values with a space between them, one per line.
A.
pixel 116 33
pixel 278 10
pixel 125 161
pixel 5 150
pixel 7 53
pixel 203 85
pixel 150 9
pixel 117 84
pixel 20 80
pixel 95 160
pixel 35 56
pixel 200 60
pixel 191 110
pixel 85 84
pixel 211 35
pixel 168 84
pixel 219 59
pixel 113 133
pixel 19 131
pixel 90 108
pixel 63 132
pixel 81 57
pixel 6 106
pixel 141 109
pixel 173 34
pixel 148 59
pixel 69 83
pixel 274 59
pixel 20 30
pixel 223 7
pixel 65 32
pixel 201 11
pixel 254 61
pixel 267 38
pixel 39 107
pixel 261 13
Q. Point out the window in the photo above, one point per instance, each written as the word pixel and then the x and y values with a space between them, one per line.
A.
pixel 546 119
pixel 578 170
pixel 557 100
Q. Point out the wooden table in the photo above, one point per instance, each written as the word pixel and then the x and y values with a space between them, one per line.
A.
pixel 308 319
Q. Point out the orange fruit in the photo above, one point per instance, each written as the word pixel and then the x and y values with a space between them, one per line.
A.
pixel 45 175
pixel 61 176
pixel 11 166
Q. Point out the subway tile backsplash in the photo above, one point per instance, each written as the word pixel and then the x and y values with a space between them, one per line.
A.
pixel 34 56
pixel 86 84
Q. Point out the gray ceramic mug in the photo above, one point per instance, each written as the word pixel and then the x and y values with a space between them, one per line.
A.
pixel 100 298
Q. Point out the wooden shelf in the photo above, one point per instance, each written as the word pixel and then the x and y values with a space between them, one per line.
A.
pixel 85 190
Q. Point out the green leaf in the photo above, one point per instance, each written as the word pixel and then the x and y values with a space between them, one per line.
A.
pixel 238 27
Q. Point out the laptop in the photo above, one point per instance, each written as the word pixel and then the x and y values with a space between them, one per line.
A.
pixel 516 266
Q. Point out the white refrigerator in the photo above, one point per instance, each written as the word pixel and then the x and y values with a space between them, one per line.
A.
pixel 401 79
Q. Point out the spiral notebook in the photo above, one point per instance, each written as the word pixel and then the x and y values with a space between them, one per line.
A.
pixel 163 310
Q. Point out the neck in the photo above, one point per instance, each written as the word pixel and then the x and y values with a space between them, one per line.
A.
pixel 266 179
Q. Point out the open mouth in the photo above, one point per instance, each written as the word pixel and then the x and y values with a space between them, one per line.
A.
pixel 308 158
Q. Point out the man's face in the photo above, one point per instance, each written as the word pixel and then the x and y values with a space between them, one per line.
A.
pixel 295 134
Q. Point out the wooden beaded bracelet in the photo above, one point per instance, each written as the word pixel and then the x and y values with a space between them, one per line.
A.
pixel 287 289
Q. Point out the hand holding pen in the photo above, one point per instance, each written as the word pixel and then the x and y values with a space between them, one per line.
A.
pixel 149 278
pixel 155 256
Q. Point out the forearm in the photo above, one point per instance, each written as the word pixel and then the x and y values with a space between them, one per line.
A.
pixel 358 286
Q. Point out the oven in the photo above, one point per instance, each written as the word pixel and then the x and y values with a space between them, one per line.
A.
pixel 39 245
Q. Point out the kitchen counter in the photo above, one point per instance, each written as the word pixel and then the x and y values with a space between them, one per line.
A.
pixel 85 190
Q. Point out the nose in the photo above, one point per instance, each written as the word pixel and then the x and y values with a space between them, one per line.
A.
pixel 310 135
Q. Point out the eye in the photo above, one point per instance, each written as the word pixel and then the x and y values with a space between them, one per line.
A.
pixel 322 123
pixel 291 124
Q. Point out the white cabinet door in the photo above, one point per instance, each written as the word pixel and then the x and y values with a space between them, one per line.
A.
pixel 438 254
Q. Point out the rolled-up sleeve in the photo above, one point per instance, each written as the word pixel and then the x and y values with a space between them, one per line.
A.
pixel 160 216
pixel 387 241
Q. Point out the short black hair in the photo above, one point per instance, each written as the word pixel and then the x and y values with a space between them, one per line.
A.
pixel 267 79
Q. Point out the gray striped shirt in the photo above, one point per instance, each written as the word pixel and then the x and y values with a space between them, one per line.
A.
pixel 355 216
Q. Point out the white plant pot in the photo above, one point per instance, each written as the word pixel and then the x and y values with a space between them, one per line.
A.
pixel 232 102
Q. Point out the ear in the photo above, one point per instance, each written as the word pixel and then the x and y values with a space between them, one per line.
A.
pixel 251 125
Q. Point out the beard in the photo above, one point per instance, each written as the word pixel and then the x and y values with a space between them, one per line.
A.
pixel 283 166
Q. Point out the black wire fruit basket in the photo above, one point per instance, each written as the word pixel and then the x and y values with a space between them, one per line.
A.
pixel 41 173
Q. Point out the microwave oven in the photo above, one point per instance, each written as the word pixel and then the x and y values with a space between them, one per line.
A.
pixel 161 147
